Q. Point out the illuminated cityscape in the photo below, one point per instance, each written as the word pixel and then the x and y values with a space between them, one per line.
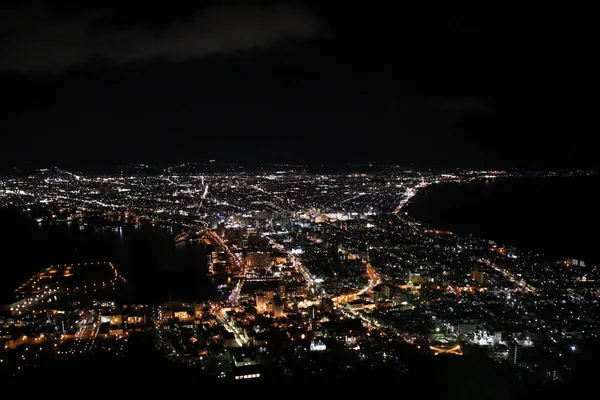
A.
pixel 321 272
pixel 285 198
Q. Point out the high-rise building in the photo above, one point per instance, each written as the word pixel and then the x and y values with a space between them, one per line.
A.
pixel 387 291
pixel 278 307
pixel 261 302
pixel 218 261
pixel 281 289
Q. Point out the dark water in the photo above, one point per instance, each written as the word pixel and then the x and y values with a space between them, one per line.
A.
pixel 557 216
pixel 147 256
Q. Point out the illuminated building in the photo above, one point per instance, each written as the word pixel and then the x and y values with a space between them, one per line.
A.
pixel 181 314
pixel 317 345
pixel 198 310
pixel 113 319
pixel 136 319
pixel 478 276
pixel 258 260
pixel 246 364
pixel 218 261
pixel 281 289
pixel 261 302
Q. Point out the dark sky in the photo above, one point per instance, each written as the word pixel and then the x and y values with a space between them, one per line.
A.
pixel 324 82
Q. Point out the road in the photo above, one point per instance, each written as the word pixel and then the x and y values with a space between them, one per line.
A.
pixel 285 203
pixel 235 293
pixel 507 274
pixel 241 338
pixel 85 338
pixel 369 321
pixel 302 270
pixel 374 279
pixel 232 257
pixel 224 320
pixel 410 193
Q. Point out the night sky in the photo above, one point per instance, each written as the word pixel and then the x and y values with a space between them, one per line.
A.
pixel 418 84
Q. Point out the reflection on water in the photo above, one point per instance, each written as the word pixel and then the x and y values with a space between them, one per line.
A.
pixel 147 256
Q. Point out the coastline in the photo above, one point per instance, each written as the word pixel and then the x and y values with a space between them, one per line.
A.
pixel 59 243
pixel 448 192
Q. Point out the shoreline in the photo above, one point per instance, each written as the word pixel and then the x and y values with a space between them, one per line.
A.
pixel 409 205
pixel 121 247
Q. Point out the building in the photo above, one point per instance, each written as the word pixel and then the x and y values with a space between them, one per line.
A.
pixel 478 275
pixel 312 312
pixel 377 293
pixel 229 339
pixel 327 304
pixel 387 291
pixel 246 364
pixel 317 345
pixel 258 260
pixel 355 305
pixel 198 307
pixel 261 302
pixel 115 319
pixel 278 307
pixel 467 327
pixel 218 261
pixel 281 289
pixel 173 309
pixel 243 357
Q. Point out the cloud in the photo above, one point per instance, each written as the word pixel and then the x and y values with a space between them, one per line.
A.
pixel 41 41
